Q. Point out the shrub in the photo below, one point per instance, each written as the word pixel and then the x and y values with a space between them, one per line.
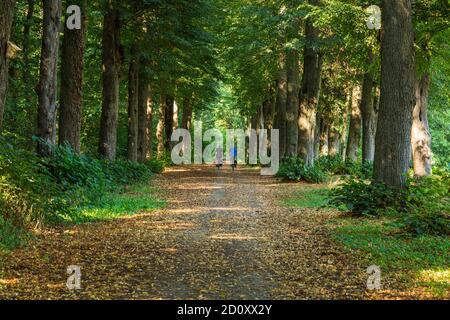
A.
pixel 155 165
pixel 364 198
pixel 422 208
pixel 294 169
pixel 335 165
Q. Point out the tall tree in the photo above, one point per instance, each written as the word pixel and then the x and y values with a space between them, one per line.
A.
pixel 145 109
pixel 169 113
pixel 27 81
pixel 309 92
pixel 6 21
pixel 281 99
pixel 72 66
pixel 47 87
pixel 369 115
pixel 111 61
pixel 292 67
pixel 420 132
pixel 393 138
pixel 133 103
pixel 161 122
pixel 354 134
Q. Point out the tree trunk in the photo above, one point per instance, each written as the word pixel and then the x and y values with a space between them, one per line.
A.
pixel 334 142
pixel 281 100
pixel 133 104
pixel 393 137
pixel 47 87
pixel 161 124
pixel 170 102
pixel 6 21
pixel 72 65
pixel 187 113
pixel 344 133
pixel 175 119
pixel 26 75
pixel 323 137
pixel 354 134
pixel 292 66
pixel 145 109
pixel 420 132
pixel 309 93
pixel 369 115
pixel 111 61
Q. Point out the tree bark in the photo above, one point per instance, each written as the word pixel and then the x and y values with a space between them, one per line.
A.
pixel 161 123
pixel 354 134
pixel 334 142
pixel 170 103
pixel 323 137
pixel 420 132
pixel 369 115
pixel 393 138
pixel 72 65
pixel 26 75
pixel 309 94
pixel 292 67
pixel 47 87
pixel 6 21
pixel 133 104
pixel 281 99
pixel 111 61
pixel 145 110
pixel 187 113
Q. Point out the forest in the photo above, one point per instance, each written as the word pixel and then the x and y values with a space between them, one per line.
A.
pixel 91 93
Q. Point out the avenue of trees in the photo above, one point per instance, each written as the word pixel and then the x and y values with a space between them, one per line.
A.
pixel 130 72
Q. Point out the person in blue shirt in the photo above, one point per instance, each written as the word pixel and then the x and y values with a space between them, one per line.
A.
pixel 233 157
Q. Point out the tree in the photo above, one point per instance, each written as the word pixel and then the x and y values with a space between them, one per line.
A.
pixel 420 131
pixel 281 100
pixel 111 62
pixel 47 87
pixel 292 67
pixel 369 115
pixel 133 104
pixel 393 143
pixel 145 110
pixel 309 92
pixel 354 134
pixel 6 21
pixel 72 67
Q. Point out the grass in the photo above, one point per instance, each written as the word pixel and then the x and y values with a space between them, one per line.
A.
pixel 416 261
pixel 426 258
pixel 133 200
pixel 308 198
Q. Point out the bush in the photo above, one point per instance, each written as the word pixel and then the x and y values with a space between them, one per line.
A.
pixel 423 208
pixel 155 165
pixel 364 198
pixel 335 165
pixel 428 204
pixel 295 169
pixel 35 189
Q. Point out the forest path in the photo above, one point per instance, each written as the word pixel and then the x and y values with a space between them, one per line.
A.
pixel 223 235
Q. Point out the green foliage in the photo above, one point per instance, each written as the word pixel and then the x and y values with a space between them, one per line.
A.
pixel 335 165
pixel 364 198
pixel 423 208
pixel 59 188
pixel 384 244
pixel 295 169
pixel 155 165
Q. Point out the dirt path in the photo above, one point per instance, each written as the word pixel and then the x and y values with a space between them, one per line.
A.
pixel 223 235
